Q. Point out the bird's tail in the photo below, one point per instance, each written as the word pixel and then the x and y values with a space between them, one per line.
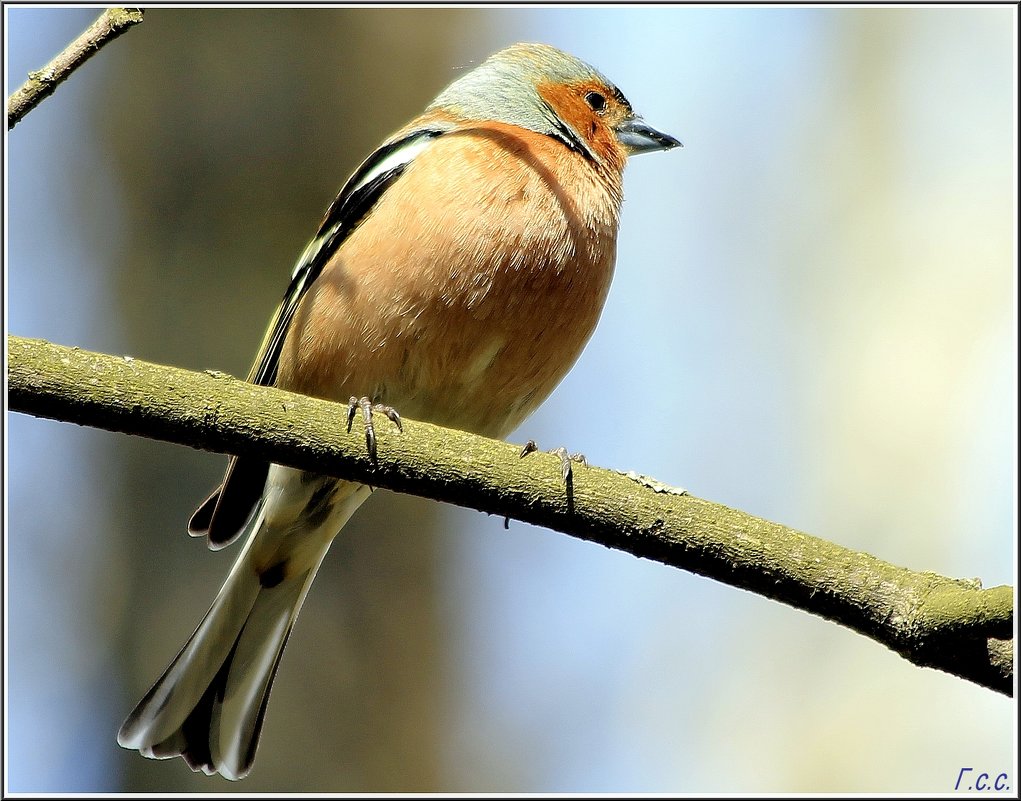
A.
pixel 208 706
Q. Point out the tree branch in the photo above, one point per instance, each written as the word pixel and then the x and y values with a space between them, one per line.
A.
pixel 42 83
pixel 933 621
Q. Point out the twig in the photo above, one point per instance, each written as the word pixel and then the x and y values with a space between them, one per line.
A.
pixel 931 620
pixel 42 83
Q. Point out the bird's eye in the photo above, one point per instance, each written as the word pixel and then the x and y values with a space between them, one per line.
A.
pixel 596 102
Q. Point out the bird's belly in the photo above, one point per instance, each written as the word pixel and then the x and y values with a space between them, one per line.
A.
pixel 484 375
pixel 481 366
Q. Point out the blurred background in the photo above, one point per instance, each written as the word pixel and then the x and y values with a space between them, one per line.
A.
pixel 814 305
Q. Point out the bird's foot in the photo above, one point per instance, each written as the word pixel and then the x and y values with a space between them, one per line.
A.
pixel 368 408
pixel 566 470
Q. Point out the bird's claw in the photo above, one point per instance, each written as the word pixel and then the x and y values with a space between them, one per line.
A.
pixel 565 462
pixel 566 470
pixel 367 408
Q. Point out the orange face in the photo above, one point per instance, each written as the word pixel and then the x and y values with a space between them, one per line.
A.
pixel 593 110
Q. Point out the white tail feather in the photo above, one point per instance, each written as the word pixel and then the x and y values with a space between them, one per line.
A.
pixel 208 706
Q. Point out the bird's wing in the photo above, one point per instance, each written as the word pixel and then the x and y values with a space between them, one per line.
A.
pixel 223 515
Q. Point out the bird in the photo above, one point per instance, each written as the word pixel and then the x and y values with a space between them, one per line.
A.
pixel 455 279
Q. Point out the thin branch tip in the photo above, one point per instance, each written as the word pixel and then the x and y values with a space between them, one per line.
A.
pixel 43 82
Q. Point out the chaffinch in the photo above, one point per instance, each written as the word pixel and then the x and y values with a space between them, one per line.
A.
pixel 456 277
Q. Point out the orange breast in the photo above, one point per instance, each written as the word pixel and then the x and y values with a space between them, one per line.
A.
pixel 471 288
